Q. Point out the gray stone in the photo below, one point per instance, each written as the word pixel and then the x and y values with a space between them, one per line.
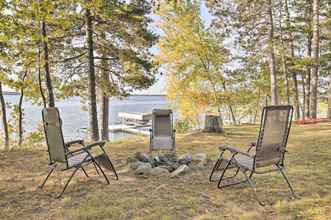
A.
pixel 185 159
pixel 136 164
pixel 143 157
pixel 171 157
pixel 180 171
pixel 200 158
pixel 170 167
pixel 198 166
pixel 159 171
pixel 143 169
pixel 131 159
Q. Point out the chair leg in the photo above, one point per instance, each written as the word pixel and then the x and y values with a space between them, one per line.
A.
pixel 216 166
pixel 282 171
pixel 103 173
pixel 252 185
pixel 220 186
pixel 84 171
pixel 96 168
pixel 113 168
pixel 48 175
pixel 67 183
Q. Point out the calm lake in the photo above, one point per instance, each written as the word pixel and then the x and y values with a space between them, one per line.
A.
pixel 75 118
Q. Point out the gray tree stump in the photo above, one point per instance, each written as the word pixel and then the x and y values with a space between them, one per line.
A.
pixel 212 124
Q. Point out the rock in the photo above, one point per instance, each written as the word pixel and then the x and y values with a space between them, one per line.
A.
pixel 131 159
pixel 137 164
pixel 159 171
pixel 143 157
pixel 200 158
pixel 143 169
pixel 198 166
pixel 180 171
pixel 185 159
pixel 170 167
pixel 170 157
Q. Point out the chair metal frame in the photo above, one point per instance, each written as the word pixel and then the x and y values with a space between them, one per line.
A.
pixel 248 173
pixel 89 158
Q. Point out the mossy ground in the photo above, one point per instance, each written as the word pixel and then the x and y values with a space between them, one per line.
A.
pixel 189 197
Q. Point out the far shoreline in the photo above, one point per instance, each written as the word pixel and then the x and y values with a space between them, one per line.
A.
pixel 16 93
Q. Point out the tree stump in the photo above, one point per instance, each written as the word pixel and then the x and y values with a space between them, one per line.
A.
pixel 212 124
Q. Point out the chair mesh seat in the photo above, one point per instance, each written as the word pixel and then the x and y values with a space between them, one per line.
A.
pixel 162 141
pixel 244 161
pixel 78 158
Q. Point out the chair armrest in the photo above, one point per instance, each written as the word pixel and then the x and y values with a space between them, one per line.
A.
pixel 251 146
pixel 98 143
pixel 88 147
pixel 81 142
pixel 233 150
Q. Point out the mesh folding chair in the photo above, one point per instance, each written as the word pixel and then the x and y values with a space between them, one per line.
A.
pixel 162 134
pixel 60 154
pixel 270 150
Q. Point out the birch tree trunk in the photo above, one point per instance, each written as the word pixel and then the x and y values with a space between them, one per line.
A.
pixel 51 102
pixel 315 54
pixel 271 57
pixel 93 129
pixel 4 118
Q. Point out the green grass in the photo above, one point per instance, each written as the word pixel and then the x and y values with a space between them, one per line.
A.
pixel 189 197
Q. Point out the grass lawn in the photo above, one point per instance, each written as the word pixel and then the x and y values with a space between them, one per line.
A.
pixel 189 197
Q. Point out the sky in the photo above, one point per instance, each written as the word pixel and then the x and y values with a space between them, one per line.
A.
pixel 160 86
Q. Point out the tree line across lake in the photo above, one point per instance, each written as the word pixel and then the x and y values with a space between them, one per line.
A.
pixel 98 49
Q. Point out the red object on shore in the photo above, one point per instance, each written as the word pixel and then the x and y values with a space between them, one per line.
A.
pixel 310 121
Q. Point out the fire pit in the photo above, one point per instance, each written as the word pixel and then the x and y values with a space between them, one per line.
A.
pixel 167 164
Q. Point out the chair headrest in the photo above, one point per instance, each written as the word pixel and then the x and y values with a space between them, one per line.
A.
pixel 162 112
pixel 51 116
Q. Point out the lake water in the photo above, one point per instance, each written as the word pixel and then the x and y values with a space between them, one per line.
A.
pixel 75 118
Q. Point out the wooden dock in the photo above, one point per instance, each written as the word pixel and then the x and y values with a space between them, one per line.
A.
pixel 134 123
pixel 133 129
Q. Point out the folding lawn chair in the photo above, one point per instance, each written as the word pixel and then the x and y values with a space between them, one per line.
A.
pixel 270 150
pixel 60 153
pixel 162 134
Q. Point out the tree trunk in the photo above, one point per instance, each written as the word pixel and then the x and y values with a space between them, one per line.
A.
pixel 283 58
pixel 293 73
pixel 233 118
pixel 212 124
pixel 20 113
pixel 51 102
pixel 315 53
pixel 105 99
pixel 39 78
pixel 309 49
pixel 105 117
pixel 93 114
pixel 303 112
pixel 4 118
pixel 329 98
pixel 271 57
pixel 220 118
